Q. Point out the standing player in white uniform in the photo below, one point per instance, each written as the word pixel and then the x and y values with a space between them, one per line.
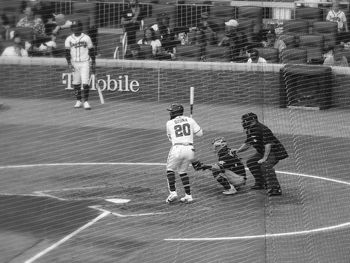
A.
pixel 79 51
pixel 180 131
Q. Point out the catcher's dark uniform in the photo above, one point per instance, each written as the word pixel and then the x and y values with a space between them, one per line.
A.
pixel 231 162
pixel 258 136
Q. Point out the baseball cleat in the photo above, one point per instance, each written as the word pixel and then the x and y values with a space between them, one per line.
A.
pixel 230 191
pixel 78 104
pixel 172 197
pixel 87 106
pixel 187 199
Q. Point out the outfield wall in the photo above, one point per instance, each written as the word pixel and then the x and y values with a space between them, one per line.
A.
pixel 158 81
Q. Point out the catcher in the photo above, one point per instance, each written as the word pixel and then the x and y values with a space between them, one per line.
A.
pixel 229 171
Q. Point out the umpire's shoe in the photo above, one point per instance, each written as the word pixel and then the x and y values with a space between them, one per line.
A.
pixel 258 187
pixel 274 192
pixel 172 197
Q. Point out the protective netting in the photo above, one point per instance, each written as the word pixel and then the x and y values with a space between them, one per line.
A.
pixel 90 185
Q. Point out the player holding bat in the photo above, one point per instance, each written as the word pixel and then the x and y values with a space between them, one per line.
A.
pixel 180 131
pixel 79 52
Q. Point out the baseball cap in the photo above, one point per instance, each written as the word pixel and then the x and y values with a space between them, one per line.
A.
pixel 232 22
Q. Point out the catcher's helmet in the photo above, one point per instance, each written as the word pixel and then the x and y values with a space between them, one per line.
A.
pixel 77 27
pixel 176 110
pixel 219 143
pixel 248 119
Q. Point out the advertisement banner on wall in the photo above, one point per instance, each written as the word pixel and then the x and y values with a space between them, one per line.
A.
pixel 121 83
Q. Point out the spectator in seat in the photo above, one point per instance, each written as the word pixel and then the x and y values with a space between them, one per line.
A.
pixel 60 22
pixel 31 21
pixel 205 35
pixel 15 50
pixel 5 32
pixel 131 20
pixel 338 16
pixel 150 38
pixel 273 42
pixel 332 59
pixel 254 57
pixel 235 39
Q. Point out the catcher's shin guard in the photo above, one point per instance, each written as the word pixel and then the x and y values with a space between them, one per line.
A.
pixel 171 180
pixel 77 91
pixel 223 181
pixel 86 92
pixel 186 183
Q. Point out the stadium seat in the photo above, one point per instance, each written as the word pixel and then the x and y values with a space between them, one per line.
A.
pixel 219 54
pixel 313 45
pixel 188 52
pixel 25 33
pixel 326 29
pixel 309 14
pixel 145 52
pixel 294 56
pixel 253 14
pixel 269 54
pixel 289 40
pixel 295 27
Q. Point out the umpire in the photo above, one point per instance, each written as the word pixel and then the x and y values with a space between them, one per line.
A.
pixel 269 151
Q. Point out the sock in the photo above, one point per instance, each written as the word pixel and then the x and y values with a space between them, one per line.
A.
pixel 186 183
pixel 86 92
pixel 171 180
pixel 223 181
pixel 77 91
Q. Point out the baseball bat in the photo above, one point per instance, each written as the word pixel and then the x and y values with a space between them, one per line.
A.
pixel 99 91
pixel 191 100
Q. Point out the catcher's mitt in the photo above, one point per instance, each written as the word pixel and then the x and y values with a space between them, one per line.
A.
pixel 197 165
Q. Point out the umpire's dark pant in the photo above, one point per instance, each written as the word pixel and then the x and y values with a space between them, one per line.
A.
pixel 264 173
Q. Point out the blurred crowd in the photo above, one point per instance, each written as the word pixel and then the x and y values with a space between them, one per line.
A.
pixel 38 29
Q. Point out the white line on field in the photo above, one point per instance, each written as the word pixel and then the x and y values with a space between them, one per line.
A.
pixel 105 212
pixel 127 215
pixel 60 242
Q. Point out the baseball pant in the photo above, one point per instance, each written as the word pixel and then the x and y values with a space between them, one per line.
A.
pixel 81 73
pixel 264 173
pixel 179 158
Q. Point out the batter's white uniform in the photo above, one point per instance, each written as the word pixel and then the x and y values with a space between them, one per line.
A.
pixel 181 131
pixel 79 49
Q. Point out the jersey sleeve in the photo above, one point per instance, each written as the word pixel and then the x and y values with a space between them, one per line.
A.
pixel 196 128
pixel 268 137
pixel 89 42
pixel 168 133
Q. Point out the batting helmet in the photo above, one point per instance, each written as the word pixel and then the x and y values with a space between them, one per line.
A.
pixel 219 143
pixel 248 119
pixel 176 110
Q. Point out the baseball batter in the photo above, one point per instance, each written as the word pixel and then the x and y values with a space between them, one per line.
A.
pixel 180 131
pixel 79 52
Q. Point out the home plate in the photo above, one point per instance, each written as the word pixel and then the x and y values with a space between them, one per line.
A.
pixel 118 200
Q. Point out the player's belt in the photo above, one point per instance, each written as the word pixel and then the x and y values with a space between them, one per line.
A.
pixel 184 144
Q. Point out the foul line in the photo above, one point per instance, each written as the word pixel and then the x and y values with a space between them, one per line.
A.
pixel 55 245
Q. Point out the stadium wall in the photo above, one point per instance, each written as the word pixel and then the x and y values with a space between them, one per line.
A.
pixel 164 81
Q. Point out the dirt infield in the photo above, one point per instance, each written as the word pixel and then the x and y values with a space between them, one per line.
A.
pixel 59 165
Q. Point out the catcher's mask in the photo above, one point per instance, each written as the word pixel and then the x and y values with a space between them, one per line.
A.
pixel 219 143
pixel 249 119
pixel 175 110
